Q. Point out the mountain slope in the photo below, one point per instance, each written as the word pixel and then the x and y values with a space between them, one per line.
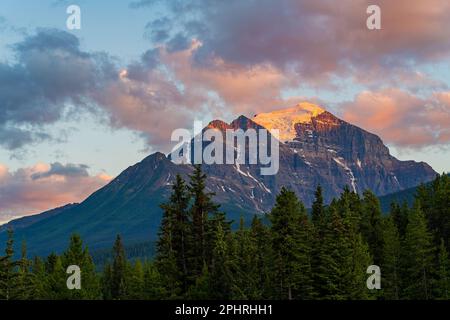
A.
pixel 321 149
pixel 27 221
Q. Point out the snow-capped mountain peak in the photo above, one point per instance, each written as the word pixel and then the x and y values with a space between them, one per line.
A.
pixel 285 119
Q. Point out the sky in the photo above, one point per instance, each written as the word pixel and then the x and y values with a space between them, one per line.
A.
pixel 79 106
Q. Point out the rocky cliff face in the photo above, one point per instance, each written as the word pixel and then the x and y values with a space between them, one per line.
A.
pixel 316 148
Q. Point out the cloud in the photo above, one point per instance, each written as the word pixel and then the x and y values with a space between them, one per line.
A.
pixel 401 118
pixel 42 187
pixel 54 79
pixel 313 39
pixel 241 89
pixel 50 73
pixel 219 58
pixel 58 169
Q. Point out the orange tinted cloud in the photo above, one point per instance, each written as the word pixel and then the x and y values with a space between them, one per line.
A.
pixel 401 118
pixel 315 39
pixel 242 89
pixel 21 193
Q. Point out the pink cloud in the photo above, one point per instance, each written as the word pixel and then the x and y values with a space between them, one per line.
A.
pixel 242 89
pixel 401 118
pixel 35 189
pixel 316 39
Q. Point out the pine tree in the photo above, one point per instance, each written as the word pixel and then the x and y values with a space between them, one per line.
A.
pixel 443 274
pixel 25 284
pixel 220 278
pixel 263 258
pixel 333 258
pixel 245 267
pixel 354 252
pixel 39 278
pixel 435 202
pixel 55 286
pixel 119 285
pixel 391 272
pixel 79 256
pixel 153 287
pixel 291 248
pixel 399 215
pixel 176 218
pixel 323 266
pixel 318 209
pixel 201 290
pixel 166 257
pixel 136 281
pixel 8 276
pixel 371 226
pixel 418 256
pixel 202 208
pixel 106 282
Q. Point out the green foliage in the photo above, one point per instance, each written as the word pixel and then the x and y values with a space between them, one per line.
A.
pixel 443 274
pixel 391 267
pixel 79 256
pixel 293 257
pixel 418 256
pixel 292 251
pixel 435 202
pixel 371 225
pixel 8 276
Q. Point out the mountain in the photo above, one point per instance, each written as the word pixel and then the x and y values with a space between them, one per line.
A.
pixel 27 221
pixel 406 195
pixel 316 148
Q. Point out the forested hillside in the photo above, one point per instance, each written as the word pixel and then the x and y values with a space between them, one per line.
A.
pixel 324 255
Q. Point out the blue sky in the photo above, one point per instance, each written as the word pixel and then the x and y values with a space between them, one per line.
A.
pixel 152 66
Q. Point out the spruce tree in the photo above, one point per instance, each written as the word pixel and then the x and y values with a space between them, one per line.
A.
pixel 79 256
pixel 435 201
pixel 354 252
pixel 391 267
pixel 318 209
pixel 221 278
pixel 8 275
pixel 443 274
pixel 289 230
pixel 39 278
pixel 106 282
pixel 201 210
pixel 246 282
pixel 56 287
pixel 25 284
pixel 418 256
pixel 176 217
pixel 263 258
pixel 371 226
pixel 166 257
pixel 119 285
pixel 334 258
pixel 399 215
pixel 201 289
pixel 153 288
pixel 323 266
pixel 136 281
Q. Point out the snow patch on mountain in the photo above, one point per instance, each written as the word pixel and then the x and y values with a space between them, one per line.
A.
pixel 340 161
pixel 285 120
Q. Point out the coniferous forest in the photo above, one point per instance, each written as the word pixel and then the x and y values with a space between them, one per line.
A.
pixel 289 254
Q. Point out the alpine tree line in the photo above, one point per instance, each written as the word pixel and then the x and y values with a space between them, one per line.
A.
pixel 296 255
